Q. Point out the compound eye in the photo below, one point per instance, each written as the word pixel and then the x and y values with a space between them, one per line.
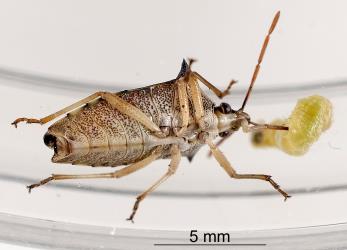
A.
pixel 49 140
pixel 225 108
pixel 224 134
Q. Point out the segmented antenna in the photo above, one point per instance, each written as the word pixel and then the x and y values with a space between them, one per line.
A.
pixel 260 58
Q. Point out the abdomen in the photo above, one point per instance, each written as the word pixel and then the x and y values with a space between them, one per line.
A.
pixel 100 135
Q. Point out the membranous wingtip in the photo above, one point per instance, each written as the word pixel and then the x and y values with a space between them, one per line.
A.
pixel 184 62
pixel 184 69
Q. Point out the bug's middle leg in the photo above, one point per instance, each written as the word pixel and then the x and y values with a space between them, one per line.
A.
pixel 184 107
pixel 116 174
pixel 175 159
pixel 222 160
pixel 197 101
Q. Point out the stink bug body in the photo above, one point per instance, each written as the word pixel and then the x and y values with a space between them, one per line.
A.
pixel 135 127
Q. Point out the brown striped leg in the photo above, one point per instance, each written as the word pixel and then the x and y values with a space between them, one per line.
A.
pixel 116 174
pixel 175 160
pixel 224 163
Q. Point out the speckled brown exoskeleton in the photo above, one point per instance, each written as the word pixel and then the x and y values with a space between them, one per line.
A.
pixel 135 127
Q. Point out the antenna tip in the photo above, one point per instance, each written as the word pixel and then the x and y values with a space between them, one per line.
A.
pixel 277 16
pixel 274 21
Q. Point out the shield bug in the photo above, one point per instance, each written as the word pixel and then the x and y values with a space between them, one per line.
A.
pixel 133 128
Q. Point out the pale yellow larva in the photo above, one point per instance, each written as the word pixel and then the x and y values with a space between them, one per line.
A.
pixel 309 119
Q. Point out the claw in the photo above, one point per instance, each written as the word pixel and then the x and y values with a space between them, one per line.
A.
pixel 42 182
pixel 29 188
pixel 286 197
pixel 227 91
pixel 131 219
pixel 191 61
pixel 27 120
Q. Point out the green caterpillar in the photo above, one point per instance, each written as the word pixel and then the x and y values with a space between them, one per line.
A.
pixel 309 119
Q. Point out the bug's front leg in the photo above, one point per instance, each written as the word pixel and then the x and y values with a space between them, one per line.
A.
pixel 213 88
pixel 175 160
pixel 222 160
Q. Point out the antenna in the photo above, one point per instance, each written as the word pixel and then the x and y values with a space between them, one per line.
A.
pixel 260 58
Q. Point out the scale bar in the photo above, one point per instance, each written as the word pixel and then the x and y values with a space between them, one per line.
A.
pixel 208 244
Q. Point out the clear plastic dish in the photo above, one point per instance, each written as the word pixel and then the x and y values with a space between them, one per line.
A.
pixel 90 214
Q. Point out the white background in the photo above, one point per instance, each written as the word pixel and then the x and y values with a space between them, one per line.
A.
pixel 144 41
pixel 135 43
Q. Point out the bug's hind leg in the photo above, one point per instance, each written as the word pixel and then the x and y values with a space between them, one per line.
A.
pixel 116 174
pixel 233 174
pixel 58 113
pixel 115 101
pixel 175 159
